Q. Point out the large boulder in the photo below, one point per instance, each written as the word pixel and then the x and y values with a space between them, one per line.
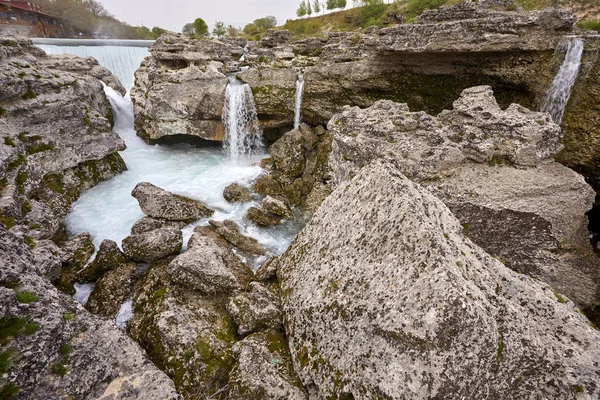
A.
pixel 180 89
pixel 236 193
pixel 159 203
pixel 109 257
pixel 153 245
pixel 55 349
pixel 255 310
pixel 494 170
pixel 261 218
pixel 75 255
pixel 112 290
pixel 146 224
pixel 384 292
pixel 230 231
pixel 264 370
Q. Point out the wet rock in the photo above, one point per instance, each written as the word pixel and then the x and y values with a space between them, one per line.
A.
pixel 255 310
pixel 236 193
pixel 268 185
pixel 146 224
pixel 230 231
pixel 112 290
pixel 205 267
pixel 277 207
pixel 288 155
pixel 158 203
pixel 76 253
pixel 109 257
pixel 185 333
pixel 267 271
pixel 493 168
pixel 61 350
pixel 153 245
pixel 260 218
pixel 264 370
pixel 470 323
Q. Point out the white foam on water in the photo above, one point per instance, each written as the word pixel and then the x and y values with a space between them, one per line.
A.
pixel 125 314
pixel 83 291
pixel 299 94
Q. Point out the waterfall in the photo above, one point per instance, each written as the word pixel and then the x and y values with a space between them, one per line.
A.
pixel 557 96
pixel 299 93
pixel 121 60
pixel 242 132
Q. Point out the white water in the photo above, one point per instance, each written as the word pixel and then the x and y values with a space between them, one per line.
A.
pixel 108 210
pixel 83 291
pixel 299 94
pixel 557 96
pixel 120 60
pixel 243 136
pixel 125 314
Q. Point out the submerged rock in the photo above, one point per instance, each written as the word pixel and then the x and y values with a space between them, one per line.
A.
pixel 493 168
pixel 236 193
pixel 158 203
pixel 264 370
pixel 153 245
pixel 230 231
pixel 109 257
pixel 255 310
pixel 260 218
pixel 112 290
pixel 384 278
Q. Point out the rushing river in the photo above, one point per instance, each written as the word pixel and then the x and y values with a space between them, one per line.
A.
pixel 108 210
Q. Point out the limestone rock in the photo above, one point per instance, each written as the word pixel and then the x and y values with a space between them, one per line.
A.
pixel 277 207
pixel 230 231
pixel 185 333
pixel 180 89
pixel 236 193
pixel 260 218
pixel 76 253
pixel 255 310
pixel 61 350
pixel 153 245
pixel 204 267
pixel 109 257
pixel 159 203
pixel 264 370
pixel 384 278
pixel 112 290
pixel 48 256
pixel 288 155
pixel 146 224
pixel 267 271
pixel 493 168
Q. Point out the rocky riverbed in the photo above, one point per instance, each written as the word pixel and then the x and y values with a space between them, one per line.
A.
pixel 445 252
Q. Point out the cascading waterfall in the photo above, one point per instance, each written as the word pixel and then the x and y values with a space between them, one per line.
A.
pixel 243 135
pixel 557 96
pixel 299 94
pixel 122 61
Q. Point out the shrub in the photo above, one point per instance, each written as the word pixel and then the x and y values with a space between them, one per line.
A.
pixel 589 25
pixel 26 297
pixel 416 7
pixel 9 142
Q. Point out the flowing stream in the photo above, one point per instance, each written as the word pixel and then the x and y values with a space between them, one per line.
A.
pixel 108 210
pixel 299 94
pixel 557 96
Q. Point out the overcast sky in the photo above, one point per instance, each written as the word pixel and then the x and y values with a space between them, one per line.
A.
pixel 173 14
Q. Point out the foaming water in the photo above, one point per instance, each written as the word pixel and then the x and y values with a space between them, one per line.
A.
pixel 125 314
pixel 243 136
pixel 299 94
pixel 558 94
pixel 108 210
pixel 122 61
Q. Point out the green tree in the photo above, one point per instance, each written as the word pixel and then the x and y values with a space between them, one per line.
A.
pixel 232 31
pixel 219 30
pixel 308 8
pixel 251 30
pixel 341 4
pixel 266 23
pixel 189 30
pixel 331 4
pixel 316 6
pixel 301 11
pixel 200 27
pixel 157 32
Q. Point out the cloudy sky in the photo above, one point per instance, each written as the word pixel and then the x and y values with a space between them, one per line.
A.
pixel 173 14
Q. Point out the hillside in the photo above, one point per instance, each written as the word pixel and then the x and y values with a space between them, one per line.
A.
pixel 405 11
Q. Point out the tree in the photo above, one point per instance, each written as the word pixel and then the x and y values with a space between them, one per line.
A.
pixel 331 4
pixel 341 4
pixel 266 23
pixel 200 27
pixel 251 30
pixel 189 30
pixel 157 32
pixel 232 31
pixel 219 30
pixel 301 11
pixel 316 6
pixel 308 8
pixel 97 9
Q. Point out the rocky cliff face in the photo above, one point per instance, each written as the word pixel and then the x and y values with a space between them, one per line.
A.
pixel 493 169
pixel 385 296
pixel 57 141
pixel 180 89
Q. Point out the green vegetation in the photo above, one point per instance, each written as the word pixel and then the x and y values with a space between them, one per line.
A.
pixel 589 25
pixel 14 164
pixel 13 327
pixel 38 148
pixel 2 111
pixel 26 297
pixel 577 388
pixel 196 29
pixel 68 316
pixel 219 30
pixel 26 208
pixel 29 94
pixel 9 391
pixel 500 350
pixel 416 7
pixel 7 357
pixel 559 297
pixel 259 27
pixel 8 222
pixel 9 142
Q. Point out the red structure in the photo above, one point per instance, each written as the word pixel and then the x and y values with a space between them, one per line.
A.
pixel 25 13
